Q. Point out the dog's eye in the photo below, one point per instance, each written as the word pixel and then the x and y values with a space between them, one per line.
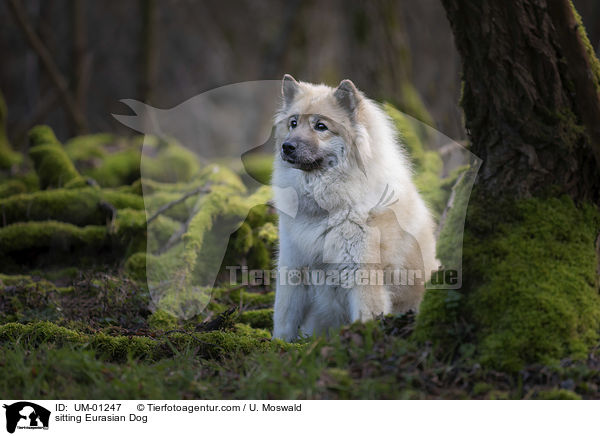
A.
pixel 293 124
pixel 320 126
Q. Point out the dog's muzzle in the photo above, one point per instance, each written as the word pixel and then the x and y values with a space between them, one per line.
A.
pixel 299 155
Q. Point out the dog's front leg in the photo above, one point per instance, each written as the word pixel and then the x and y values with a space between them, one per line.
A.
pixel 367 302
pixel 290 307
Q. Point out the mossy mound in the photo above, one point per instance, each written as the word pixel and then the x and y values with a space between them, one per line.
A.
pixel 12 187
pixel 81 206
pixel 62 237
pixel 240 339
pixel 30 239
pixel 530 284
pixel 261 318
pixel 168 161
pixel 53 166
pixel 110 161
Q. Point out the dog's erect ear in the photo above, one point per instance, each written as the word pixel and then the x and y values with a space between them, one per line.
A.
pixel 289 89
pixel 347 95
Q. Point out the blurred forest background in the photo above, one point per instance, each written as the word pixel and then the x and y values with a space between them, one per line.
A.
pixel 164 52
pixel 78 240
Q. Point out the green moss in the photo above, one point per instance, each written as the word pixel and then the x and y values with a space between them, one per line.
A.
pixel 160 230
pixel 121 348
pixel 136 266
pixel 178 298
pixel 260 318
pixel 168 161
pixel 222 201
pixel 221 175
pixel 594 62
pixel 112 347
pixel 134 188
pixel 23 299
pixel 530 291
pixel 108 160
pixel 12 187
pixel 120 168
pixel 76 206
pixel 161 320
pixel 242 239
pixel 53 166
pixel 181 277
pixel 242 297
pixel 129 229
pixel 40 135
pixel 87 147
pixel 8 157
pixel 481 388
pixel 240 339
pixel 427 164
pixel 30 179
pixel 268 232
pixel 253 244
pixel 408 134
pixel 163 267
pixel 259 166
pixel 60 237
pixel 39 332
pixel 498 395
pixel 122 200
pixel 558 394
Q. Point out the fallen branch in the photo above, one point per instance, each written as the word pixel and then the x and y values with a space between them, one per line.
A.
pixel 175 237
pixel 165 207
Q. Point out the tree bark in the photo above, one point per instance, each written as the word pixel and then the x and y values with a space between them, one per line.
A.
pixel 529 257
pixel 530 96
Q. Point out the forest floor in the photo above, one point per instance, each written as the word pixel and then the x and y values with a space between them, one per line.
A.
pixel 95 338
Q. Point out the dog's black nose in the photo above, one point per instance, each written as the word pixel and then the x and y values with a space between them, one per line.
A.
pixel 288 148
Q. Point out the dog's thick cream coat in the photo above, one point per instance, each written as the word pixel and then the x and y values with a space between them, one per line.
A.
pixel 342 222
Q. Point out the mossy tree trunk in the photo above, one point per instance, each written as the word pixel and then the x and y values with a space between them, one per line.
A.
pixel 524 101
pixel 530 279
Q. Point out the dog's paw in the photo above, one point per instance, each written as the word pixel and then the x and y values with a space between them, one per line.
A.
pixel 287 335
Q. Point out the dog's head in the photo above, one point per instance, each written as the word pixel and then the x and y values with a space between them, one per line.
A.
pixel 316 126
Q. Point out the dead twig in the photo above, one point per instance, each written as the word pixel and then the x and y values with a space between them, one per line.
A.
pixel 165 207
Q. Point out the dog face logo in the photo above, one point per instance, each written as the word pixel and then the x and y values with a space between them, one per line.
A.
pixel 26 415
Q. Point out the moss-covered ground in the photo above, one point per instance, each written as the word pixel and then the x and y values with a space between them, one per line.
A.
pixel 78 262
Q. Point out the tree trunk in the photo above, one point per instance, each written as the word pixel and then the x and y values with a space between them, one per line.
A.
pixel 148 50
pixel 530 279
pixel 80 57
pixel 525 111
